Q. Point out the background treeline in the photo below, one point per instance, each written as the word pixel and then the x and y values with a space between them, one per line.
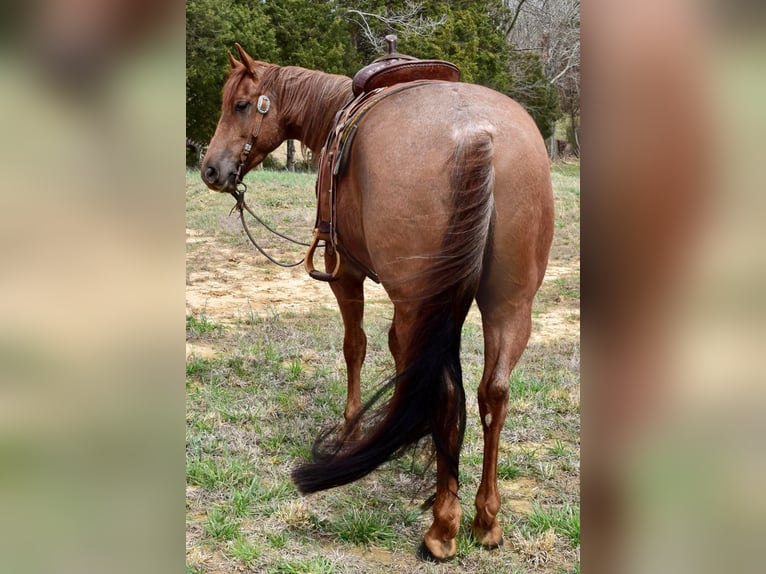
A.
pixel 528 49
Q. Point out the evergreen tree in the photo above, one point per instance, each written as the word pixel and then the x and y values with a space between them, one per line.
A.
pixel 212 27
pixel 340 36
pixel 313 35
pixel 532 90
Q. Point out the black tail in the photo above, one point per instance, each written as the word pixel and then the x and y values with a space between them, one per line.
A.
pixel 428 394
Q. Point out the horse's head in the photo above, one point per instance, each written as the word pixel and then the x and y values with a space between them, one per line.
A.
pixel 249 127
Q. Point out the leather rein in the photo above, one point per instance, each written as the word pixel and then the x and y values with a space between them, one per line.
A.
pixel 240 188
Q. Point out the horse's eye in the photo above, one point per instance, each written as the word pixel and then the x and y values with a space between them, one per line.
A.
pixel 241 106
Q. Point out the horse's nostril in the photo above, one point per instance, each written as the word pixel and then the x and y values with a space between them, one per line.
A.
pixel 211 174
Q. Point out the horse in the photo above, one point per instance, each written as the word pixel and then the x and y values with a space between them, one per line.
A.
pixel 447 196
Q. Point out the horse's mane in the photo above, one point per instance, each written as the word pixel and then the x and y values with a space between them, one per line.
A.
pixel 299 92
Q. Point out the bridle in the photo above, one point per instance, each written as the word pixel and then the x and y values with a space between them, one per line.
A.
pixel 262 106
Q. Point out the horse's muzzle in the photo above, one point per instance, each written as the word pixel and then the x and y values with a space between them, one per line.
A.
pixel 210 175
pixel 217 180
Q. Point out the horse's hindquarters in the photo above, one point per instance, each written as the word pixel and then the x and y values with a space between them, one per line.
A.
pixel 397 198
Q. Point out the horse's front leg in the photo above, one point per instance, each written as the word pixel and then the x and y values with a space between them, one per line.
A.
pixel 349 292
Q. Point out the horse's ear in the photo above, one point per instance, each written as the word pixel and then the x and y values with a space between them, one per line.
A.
pixel 246 59
pixel 234 62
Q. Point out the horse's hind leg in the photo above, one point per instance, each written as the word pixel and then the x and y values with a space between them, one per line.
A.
pixel 439 542
pixel 349 292
pixel 506 331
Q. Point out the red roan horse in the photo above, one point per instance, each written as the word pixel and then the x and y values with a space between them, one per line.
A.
pixel 447 197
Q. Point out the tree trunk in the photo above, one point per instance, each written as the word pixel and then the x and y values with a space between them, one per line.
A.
pixel 290 162
pixel 575 133
pixel 553 148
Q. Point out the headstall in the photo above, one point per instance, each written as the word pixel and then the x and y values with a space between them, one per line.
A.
pixel 263 105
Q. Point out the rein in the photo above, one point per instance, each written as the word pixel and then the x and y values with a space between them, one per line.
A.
pixel 238 194
pixel 241 206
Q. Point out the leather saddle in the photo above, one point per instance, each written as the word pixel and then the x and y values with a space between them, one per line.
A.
pixel 386 76
pixel 396 68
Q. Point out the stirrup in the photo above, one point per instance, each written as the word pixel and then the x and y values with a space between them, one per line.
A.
pixel 309 262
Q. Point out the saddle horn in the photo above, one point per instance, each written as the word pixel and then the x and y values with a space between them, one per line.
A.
pixel 391 41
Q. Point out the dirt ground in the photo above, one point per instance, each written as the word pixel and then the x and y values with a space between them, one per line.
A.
pixel 236 283
pixel 232 284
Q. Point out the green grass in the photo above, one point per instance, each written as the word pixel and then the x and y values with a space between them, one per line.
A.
pixel 316 565
pixel 217 473
pixel 558 449
pixel 362 526
pixel 507 470
pixel 564 520
pixel 278 539
pixel 220 526
pixel 566 173
pixel 276 377
pixel 196 327
pixel 197 366
pixel 246 552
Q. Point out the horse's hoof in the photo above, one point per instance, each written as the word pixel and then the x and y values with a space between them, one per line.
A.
pixel 495 546
pixel 425 555
pixel 487 537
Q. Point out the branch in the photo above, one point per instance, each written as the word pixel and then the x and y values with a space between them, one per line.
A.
pixel 367 32
pixel 407 20
pixel 509 29
pixel 572 61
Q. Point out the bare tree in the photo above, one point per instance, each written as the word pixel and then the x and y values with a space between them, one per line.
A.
pixel 551 28
pixel 410 20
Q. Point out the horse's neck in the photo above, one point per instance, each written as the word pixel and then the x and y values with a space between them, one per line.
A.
pixel 310 101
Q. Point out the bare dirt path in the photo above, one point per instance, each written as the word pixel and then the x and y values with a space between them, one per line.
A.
pixel 230 285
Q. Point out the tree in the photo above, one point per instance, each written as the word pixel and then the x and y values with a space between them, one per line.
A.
pixel 372 25
pixel 465 33
pixel 340 36
pixel 472 35
pixel 533 90
pixel 551 29
pixel 312 35
pixel 212 27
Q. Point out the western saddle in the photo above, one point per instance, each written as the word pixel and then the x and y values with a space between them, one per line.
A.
pixel 386 76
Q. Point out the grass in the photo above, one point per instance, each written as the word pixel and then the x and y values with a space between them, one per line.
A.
pixel 246 552
pixel 220 526
pixel 362 526
pixel 199 326
pixel 316 565
pixel 273 377
pixel 228 471
pixel 507 470
pixel 564 520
